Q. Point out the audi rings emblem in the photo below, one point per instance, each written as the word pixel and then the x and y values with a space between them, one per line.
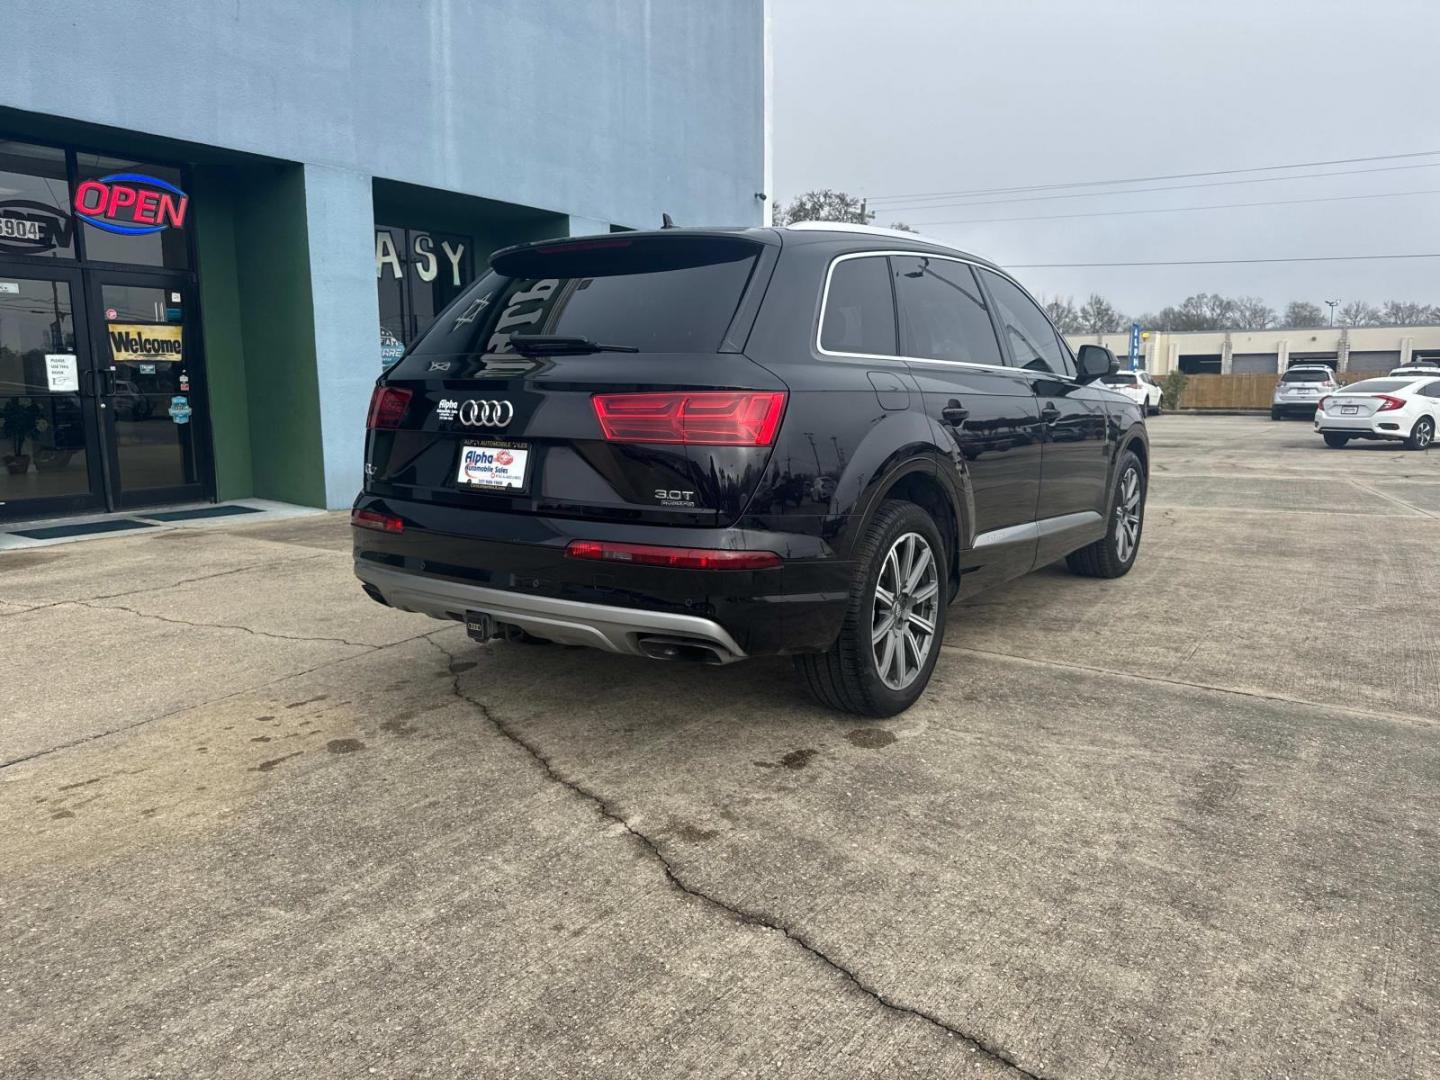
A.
pixel 475 413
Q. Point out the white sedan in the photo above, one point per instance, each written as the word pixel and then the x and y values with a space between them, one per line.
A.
pixel 1138 386
pixel 1398 409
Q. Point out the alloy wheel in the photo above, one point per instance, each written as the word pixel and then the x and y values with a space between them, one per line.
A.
pixel 1424 432
pixel 1127 515
pixel 907 604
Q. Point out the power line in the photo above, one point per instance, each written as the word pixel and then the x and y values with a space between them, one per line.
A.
pixel 1168 187
pixel 1150 179
pixel 1177 209
pixel 1219 262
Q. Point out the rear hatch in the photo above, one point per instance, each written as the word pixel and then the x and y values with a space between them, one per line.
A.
pixel 597 378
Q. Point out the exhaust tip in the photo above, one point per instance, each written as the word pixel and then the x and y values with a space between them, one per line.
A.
pixel 684 649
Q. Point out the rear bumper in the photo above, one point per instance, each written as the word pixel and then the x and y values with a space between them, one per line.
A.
pixel 1294 408
pixel 514 568
pixel 570 622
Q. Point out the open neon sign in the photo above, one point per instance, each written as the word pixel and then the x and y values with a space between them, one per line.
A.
pixel 131 204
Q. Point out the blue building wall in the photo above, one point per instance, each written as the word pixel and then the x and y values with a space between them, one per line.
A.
pixel 613 110
pixel 598 112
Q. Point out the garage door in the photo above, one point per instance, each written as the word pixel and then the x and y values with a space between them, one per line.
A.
pixel 1254 363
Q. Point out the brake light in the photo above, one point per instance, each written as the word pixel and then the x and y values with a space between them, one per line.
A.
pixel 370 519
pixel 1320 405
pixel 387 407
pixel 1391 403
pixel 703 418
pixel 678 558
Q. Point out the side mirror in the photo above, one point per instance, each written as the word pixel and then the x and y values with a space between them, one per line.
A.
pixel 1094 361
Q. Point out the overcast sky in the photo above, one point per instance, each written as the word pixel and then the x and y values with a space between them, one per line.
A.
pixel 906 96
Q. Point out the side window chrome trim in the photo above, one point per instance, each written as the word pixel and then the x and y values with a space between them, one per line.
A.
pixel 825 300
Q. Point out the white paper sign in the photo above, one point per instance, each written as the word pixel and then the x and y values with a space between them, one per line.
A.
pixel 11 288
pixel 62 373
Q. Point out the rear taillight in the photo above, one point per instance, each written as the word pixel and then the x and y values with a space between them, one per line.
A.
pixel 679 558
pixel 708 418
pixel 387 407
pixel 1390 403
pixel 369 519
pixel 1320 405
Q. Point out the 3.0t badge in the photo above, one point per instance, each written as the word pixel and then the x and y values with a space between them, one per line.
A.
pixel 481 413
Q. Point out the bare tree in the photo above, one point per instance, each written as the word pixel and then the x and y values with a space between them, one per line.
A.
pixel 1407 313
pixel 1064 315
pixel 1251 313
pixel 1098 316
pixel 1359 313
pixel 1302 313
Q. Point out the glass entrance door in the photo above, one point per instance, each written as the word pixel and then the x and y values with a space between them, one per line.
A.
pixel 49 455
pixel 150 386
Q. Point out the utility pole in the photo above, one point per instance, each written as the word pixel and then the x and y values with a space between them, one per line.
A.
pixel 1332 304
pixel 864 215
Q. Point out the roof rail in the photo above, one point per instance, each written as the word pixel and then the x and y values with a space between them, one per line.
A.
pixel 868 230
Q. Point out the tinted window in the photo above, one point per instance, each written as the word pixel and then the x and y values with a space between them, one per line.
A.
pixel 1119 378
pixel 1033 342
pixel 657 294
pixel 34 202
pixel 1376 386
pixel 1305 376
pixel 859 310
pixel 1433 390
pixel 942 312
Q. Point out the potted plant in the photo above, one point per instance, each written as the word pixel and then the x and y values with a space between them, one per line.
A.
pixel 19 420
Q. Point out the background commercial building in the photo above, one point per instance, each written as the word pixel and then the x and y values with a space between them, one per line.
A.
pixel 1263 352
pixel 218 221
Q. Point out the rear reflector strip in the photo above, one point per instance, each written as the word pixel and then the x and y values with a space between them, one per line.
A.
pixel 678 558
pixel 369 519
pixel 702 418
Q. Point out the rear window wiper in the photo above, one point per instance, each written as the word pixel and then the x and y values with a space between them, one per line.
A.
pixel 559 344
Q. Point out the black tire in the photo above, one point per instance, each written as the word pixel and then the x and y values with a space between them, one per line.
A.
pixel 1421 435
pixel 847 677
pixel 1336 442
pixel 1274 413
pixel 1105 558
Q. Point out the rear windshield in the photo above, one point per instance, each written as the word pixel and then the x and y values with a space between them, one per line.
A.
pixel 657 294
pixel 1305 376
pixel 1119 378
pixel 1377 386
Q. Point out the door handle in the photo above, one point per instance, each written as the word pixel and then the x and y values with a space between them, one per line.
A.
pixel 107 384
pixel 954 412
pixel 1050 413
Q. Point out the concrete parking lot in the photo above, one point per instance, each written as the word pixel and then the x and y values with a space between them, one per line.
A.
pixel 1182 824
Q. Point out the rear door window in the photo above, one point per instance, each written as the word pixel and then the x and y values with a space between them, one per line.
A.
pixel 943 315
pixel 1305 376
pixel 859 308
pixel 1034 345
pixel 655 294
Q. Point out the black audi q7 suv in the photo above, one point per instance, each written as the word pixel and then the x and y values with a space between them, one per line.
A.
pixel 708 444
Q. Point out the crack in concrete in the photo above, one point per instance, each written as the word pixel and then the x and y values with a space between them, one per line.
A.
pixel 47 604
pixel 1369 714
pixel 211 701
pixel 223 626
pixel 742 915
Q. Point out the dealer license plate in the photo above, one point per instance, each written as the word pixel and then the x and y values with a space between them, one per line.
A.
pixel 493 465
pixel 1349 410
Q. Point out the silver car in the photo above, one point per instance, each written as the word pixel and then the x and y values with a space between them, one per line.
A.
pixel 1300 389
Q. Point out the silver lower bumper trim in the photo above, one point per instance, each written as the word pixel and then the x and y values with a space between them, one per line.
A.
pixel 570 622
